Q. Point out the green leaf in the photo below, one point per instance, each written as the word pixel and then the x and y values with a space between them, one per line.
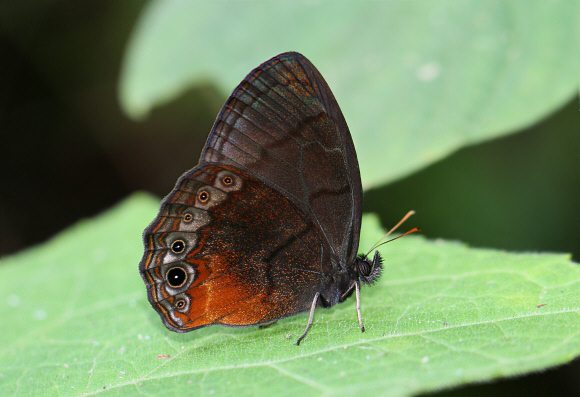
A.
pixel 76 321
pixel 416 80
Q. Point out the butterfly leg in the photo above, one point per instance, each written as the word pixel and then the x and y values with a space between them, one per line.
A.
pixel 314 301
pixel 357 294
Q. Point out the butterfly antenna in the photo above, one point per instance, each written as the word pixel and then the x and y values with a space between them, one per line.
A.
pixel 413 230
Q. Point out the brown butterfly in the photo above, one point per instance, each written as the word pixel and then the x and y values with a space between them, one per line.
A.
pixel 267 225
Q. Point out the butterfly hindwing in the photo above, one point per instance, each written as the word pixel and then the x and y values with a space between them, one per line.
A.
pixel 244 266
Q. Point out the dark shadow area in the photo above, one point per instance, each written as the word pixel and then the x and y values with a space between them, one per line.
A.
pixel 560 382
pixel 68 151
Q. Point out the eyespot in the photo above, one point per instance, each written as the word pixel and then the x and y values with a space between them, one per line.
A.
pixel 178 246
pixel 176 277
pixel 180 304
pixel 188 218
pixel 203 196
pixel 227 181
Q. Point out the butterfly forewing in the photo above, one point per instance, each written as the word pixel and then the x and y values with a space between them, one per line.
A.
pixel 283 125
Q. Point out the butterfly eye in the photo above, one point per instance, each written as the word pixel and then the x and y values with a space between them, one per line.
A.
pixel 178 246
pixel 364 268
pixel 203 196
pixel 180 304
pixel 176 277
pixel 187 218
pixel 369 271
pixel 227 180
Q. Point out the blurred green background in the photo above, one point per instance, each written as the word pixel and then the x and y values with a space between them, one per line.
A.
pixel 69 152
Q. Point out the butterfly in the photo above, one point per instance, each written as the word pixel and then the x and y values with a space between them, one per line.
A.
pixel 267 225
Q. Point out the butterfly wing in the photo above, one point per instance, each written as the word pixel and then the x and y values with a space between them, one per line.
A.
pixel 283 125
pixel 248 255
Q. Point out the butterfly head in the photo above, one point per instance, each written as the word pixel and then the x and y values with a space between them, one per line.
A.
pixel 369 271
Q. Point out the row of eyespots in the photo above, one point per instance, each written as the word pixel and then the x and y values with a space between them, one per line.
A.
pixel 177 276
pixel 204 196
pixel 178 246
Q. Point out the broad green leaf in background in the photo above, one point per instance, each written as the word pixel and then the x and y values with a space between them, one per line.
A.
pixel 75 321
pixel 415 79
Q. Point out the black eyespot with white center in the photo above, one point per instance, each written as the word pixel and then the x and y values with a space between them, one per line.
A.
pixel 178 246
pixel 203 196
pixel 180 304
pixel 176 277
